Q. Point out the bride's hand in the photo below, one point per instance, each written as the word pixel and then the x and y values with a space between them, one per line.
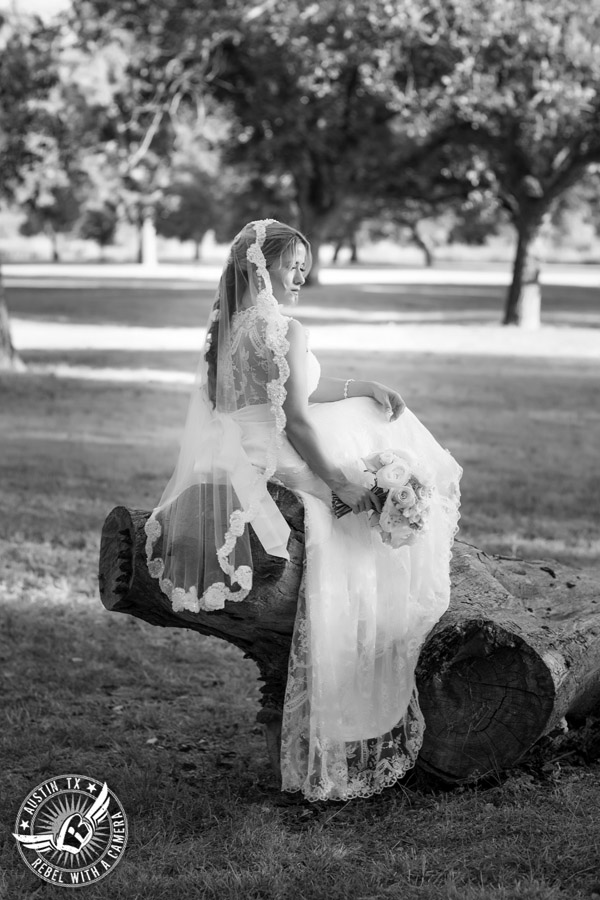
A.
pixel 392 402
pixel 358 497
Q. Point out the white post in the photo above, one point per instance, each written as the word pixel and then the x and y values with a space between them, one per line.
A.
pixel 149 249
pixel 531 306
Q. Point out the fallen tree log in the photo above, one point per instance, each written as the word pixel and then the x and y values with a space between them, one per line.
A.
pixel 517 651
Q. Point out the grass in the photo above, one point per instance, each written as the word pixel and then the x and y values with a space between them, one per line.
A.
pixel 168 718
pixel 185 304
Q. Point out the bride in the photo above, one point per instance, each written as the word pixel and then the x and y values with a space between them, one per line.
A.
pixel 260 411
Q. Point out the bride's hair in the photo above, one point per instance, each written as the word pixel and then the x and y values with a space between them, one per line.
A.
pixel 280 240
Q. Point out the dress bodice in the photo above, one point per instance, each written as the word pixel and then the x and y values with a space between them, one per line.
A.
pixel 252 365
pixel 313 372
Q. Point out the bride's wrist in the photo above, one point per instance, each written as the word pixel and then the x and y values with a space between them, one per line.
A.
pixel 358 388
pixel 337 481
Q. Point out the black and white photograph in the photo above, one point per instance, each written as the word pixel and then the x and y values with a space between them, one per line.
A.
pixel 299 449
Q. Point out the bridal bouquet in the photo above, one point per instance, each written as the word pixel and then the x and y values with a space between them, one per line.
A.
pixel 406 490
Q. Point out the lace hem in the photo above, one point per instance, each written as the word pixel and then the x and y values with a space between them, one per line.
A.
pixel 214 596
pixel 370 765
pixel 314 757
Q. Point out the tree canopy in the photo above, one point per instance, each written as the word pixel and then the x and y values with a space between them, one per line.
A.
pixel 521 100
pixel 314 111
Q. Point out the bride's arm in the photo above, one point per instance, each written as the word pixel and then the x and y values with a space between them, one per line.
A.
pixel 304 438
pixel 331 389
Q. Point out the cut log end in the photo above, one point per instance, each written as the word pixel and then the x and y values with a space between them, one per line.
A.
pixel 486 696
pixel 116 559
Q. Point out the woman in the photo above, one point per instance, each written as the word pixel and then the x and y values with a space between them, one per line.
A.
pixel 260 410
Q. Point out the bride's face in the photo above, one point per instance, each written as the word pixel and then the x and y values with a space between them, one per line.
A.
pixel 289 276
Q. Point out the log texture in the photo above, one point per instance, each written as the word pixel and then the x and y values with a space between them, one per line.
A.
pixel 517 651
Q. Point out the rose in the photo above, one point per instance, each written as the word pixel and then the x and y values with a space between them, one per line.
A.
pixel 375 461
pixel 386 457
pixel 422 492
pixel 394 475
pixel 403 497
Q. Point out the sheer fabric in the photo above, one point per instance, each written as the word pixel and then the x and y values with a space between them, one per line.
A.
pixel 352 724
pixel 198 545
pixel 351 720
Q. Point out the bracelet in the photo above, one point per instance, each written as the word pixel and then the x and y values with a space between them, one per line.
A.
pixel 346 388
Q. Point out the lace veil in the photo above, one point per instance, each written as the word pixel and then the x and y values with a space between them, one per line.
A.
pixel 198 544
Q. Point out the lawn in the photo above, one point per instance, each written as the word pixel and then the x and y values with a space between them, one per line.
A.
pixel 168 718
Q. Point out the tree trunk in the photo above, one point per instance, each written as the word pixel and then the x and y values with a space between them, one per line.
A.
pixel 315 243
pixel 197 244
pixel 54 243
pixel 518 649
pixel 423 245
pixel 352 246
pixel 9 358
pixel 315 222
pixel 523 300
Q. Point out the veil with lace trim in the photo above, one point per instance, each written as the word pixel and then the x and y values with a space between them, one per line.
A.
pixel 198 545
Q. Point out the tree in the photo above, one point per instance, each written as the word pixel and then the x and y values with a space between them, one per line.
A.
pixel 52 212
pixel 520 98
pixel 300 107
pixel 27 74
pixel 125 152
pixel 344 227
pixel 295 81
pixel 99 224
pixel 476 220
pixel 188 209
pixel 577 212
pixel 152 60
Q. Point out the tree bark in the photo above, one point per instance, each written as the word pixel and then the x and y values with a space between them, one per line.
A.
pixel 525 278
pixel 9 358
pixel 518 649
pixel 315 244
pixel 52 234
pixel 422 245
pixel 352 246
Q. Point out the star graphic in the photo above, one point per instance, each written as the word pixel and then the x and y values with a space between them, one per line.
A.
pixel 92 787
pixel 24 825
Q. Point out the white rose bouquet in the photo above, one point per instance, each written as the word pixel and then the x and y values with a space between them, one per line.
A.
pixel 406 489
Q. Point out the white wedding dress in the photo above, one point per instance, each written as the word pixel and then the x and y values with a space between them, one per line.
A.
pixel 351 720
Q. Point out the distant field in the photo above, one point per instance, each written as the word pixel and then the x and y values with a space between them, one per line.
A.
pixel 184 304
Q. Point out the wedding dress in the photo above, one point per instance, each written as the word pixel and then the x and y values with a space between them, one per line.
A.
pixel 351 723
pixel 351 720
